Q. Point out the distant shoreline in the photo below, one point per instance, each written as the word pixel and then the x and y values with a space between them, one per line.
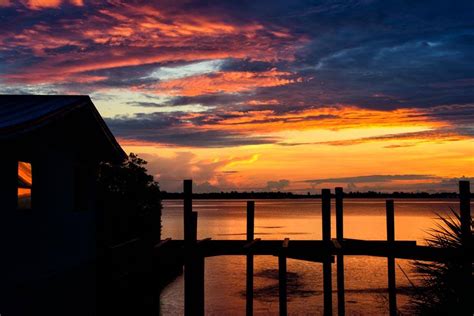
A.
pixel 289 195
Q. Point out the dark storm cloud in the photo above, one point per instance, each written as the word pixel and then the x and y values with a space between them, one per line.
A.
pixel 380 54
pixel 247 65
pixel 171 129
pixel 294 119
pixel 216 99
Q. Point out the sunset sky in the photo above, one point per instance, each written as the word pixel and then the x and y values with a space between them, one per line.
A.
pixel 263 95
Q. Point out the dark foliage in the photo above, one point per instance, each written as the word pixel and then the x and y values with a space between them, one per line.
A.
pixel 441 283
pixel 130 200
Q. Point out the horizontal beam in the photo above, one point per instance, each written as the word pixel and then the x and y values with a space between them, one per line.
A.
pixel 262 247
pixel 313 250
pixel 162 243
pixel 250 244
pixel 396 249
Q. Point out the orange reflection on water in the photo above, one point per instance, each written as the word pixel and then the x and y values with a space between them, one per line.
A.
pixel 365 277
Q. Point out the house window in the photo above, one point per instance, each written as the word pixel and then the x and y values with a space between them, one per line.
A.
pixel 25 182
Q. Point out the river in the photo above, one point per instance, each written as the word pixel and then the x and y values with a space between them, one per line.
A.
pixel 365 277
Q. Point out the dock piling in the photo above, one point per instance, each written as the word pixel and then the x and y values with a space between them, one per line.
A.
pixel 392 295
pixel 187 206
pixel 193 262
pixel 341 310
pixel 250 237
pixel 466 239
pixel 194 253
pixel 327 277
pixel 282 283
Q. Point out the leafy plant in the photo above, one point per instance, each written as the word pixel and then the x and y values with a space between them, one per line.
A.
pixel 130 200
pixel 441 282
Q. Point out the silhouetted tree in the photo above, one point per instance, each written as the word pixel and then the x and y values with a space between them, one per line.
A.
pixel 130 200
pixel 442 282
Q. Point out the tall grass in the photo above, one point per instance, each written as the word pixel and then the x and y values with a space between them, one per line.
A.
pixel 441 283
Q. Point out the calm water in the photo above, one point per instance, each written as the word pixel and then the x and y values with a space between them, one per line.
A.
pixel 365 277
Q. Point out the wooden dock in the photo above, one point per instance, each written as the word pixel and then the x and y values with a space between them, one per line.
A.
pixel 194 252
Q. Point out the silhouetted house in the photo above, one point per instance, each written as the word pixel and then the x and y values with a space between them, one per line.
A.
pixel 50 149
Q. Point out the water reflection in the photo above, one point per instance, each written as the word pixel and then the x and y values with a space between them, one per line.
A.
pixel 298 219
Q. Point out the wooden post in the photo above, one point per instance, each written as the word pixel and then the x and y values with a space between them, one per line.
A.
pixel 188 207
pixel 282 284
pixel 392 295
pixel 327 277
pixel 194 263
pixel 465 208
pixel 250 220
pixel 341 310
pixel 189 271
pixel 189 241
pixel 197 271
pixel 466 224
pixel 193 228
pixel 199 292
pixel 250 237
pixel 326 214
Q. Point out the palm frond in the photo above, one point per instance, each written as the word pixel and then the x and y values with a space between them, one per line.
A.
pixel 440 282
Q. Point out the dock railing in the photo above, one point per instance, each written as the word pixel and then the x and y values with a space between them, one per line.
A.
pixel 195 251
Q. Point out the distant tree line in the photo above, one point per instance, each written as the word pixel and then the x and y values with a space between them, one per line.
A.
pixel 290 195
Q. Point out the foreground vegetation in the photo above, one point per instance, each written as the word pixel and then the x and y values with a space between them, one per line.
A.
pixel 130 201
pixel 441 283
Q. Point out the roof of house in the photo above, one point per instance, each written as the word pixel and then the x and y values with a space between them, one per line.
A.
pixel 20 114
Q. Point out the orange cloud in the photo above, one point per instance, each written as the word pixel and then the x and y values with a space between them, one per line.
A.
pixel 332 118
pixel 40 4
pixel 133 35
pixel 40 39
pixel 439 135
pixel 44 4
pixel 227 82
pixel 196 26
pixel 242 160
pixel 263 102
